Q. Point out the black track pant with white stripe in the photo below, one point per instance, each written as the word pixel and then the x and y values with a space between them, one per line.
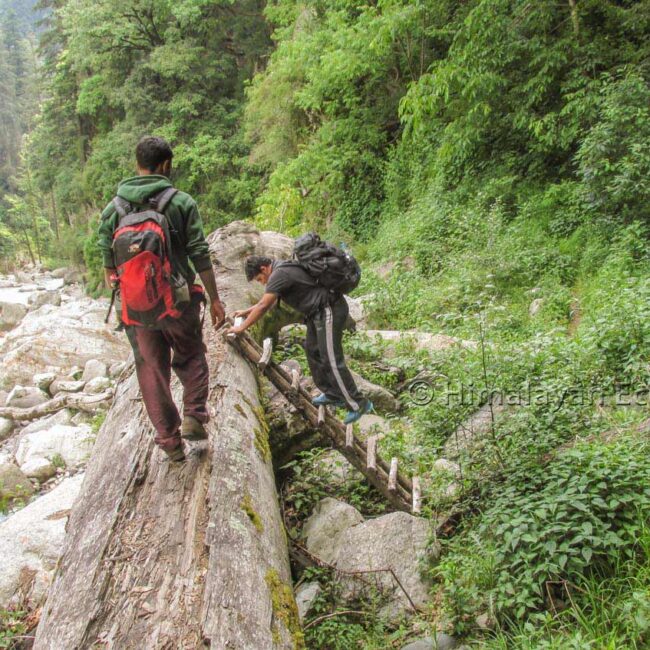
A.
pixel 325 355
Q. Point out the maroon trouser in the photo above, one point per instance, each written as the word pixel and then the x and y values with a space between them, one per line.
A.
pixel 152 349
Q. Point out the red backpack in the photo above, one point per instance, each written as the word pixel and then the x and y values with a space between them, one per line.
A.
pixel 142 255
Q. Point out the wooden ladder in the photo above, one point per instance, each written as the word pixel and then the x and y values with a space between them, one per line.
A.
pixel 398 490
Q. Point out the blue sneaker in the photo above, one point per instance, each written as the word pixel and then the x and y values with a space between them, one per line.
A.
pixel 353 416
pixel 324 400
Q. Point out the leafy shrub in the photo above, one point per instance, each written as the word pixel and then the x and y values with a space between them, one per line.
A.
pixel 551 524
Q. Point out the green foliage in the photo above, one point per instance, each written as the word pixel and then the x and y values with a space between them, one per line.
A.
pixel 549 525
pixel 609 609
pixel 12 627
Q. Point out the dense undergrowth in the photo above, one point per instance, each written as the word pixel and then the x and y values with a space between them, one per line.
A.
pixel 488 161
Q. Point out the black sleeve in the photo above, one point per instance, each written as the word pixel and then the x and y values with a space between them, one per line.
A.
pixel 278 283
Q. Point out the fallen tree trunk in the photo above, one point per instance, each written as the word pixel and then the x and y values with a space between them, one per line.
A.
pixel 78 401
pixel 160 555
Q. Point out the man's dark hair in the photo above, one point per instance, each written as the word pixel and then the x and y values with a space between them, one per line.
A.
pixel 152 151
pixel 254 265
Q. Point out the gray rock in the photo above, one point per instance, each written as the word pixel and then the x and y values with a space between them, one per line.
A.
pixel 441 641
pixel 6 427
pixel 72 444
pixel 535 307
pixel 373 425
pixel 41 298
pixel 62 417
pixel 24 397
pixel 22 277
pixel 73 277
pixel 41 469
pixel 306 594
pixel 357 311
pixel 398 541
pixel 44 380
pixel 11 314
pixel 59 274
pixel 94 369
pixel 485 622
pixel 57 338
pixel 447 467
pixel 3 397
pixel 13 483
pixel 66 386
pixel 81 418
pixel 31 541
pixel 97 385
pixel 326 525
pixel 381 397
pixel 421 644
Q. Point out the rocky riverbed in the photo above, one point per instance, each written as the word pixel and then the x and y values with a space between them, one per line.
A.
pixel 54 349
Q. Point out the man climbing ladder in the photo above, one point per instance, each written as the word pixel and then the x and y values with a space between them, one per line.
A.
pixel 148 235
pixel 325 310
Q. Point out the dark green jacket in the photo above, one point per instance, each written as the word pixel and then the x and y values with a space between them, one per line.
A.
pixel 187 238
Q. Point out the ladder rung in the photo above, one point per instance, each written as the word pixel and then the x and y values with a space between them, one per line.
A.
pixel 372 454
pixel 321 415
pixel 417 496
pixel 349 436
pixel 295 381
pixel 392 477
pixel 267 351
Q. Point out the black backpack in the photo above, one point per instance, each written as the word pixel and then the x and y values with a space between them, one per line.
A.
pixel 331 267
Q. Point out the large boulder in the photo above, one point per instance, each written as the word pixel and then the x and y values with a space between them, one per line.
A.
pixel 25 397
pixel 31 541
pixel 93 369
pixel 396 541
pixel 40 469
pixel 11 313
pixel 324 528
pixel 57 338
pixel 381 397
pixel 14 484
pixel 6 427
pixel 37 300
pixel 73 277
pixel 61 417
pixel 337 533
pixel 71 444
pixel 60 273
pixel 306 594
pixel 44 380
pixel 440 642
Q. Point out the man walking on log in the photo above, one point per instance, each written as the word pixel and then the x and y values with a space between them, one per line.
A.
pixel 325 315
pixel 148 236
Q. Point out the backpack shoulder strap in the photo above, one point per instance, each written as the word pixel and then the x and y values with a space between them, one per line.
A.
pixel 161 200
pixel 122 206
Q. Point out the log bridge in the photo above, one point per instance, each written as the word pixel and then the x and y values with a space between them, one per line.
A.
pixel 401 492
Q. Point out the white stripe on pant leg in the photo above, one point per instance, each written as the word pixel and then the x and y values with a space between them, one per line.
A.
pixel 329 338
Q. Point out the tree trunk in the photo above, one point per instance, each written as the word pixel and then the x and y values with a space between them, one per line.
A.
pixel 161 555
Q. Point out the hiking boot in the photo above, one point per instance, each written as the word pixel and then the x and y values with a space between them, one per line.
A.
pixel 176 455
pixel 353 416
pixel 192 429
pixel 324 400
